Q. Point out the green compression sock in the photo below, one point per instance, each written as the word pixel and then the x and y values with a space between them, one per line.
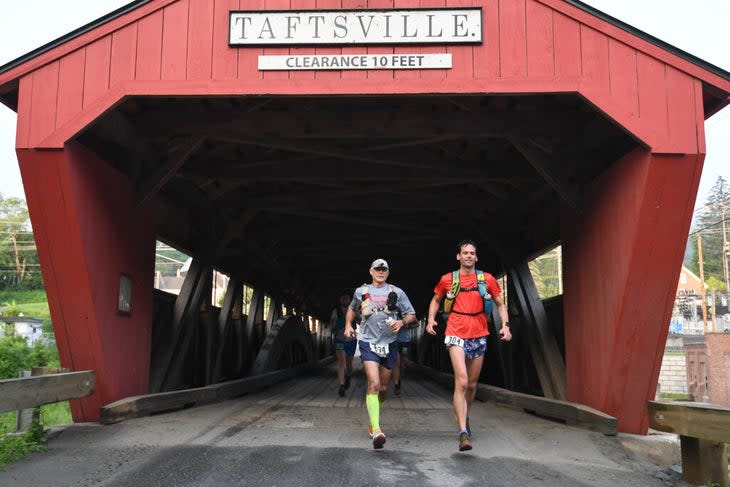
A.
pixel 373 404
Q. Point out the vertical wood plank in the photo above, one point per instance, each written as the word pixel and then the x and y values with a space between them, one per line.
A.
pixel 486 56
pixel 592 300
pixel 567 46
pixel 652 92
pixel 123 55
pixel 200 40
pixel 540 48
pixel 700 116
pixel 512 36
pixel 354 73
pixel 70 86
pixel 624 85
pixel 96 74
pixel 681 111
pixel 149 47
pixel 45 96
pixel 25 105
pixel 225 58
pixel 594 59
pixel 174 41
pixel 248 57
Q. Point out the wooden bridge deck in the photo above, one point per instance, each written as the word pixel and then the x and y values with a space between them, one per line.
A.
pixel 300 432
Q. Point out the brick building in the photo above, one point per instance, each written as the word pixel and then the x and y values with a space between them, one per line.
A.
pixel 708 363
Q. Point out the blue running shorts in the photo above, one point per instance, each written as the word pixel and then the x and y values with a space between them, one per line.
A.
pixel 388 361
pixel 347 345
pixel 474 347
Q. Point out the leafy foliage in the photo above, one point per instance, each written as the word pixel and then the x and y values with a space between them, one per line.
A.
pixel 545 270
pixel 16 355
pixel 19 266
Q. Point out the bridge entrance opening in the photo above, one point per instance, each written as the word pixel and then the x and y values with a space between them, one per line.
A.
pixel 303 192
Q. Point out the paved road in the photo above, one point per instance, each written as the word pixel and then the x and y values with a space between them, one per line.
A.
pixel 300 433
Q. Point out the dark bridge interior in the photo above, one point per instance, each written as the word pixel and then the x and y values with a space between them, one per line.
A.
pixel 299 194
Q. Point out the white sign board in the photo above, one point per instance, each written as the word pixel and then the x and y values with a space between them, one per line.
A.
pixel 355 61
pixel 356 27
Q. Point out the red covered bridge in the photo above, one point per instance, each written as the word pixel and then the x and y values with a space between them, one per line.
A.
pixel 538 123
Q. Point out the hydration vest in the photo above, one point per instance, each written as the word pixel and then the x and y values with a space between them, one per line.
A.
pixel 366 308
pixel 456 288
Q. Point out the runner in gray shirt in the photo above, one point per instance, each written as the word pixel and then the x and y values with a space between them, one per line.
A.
pixel 384 310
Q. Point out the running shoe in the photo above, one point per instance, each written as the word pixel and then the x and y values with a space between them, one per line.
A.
pixel 347 382
pixel 396 388
pixel 379 439
pixel 468 429
pixel 341 392
pixel 370 431
pixel 464 442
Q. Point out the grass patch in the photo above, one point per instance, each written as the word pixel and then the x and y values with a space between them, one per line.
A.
pixel 14 447
pixel 30 302
pixel 23 296
pixel 675 396
pixel 675 354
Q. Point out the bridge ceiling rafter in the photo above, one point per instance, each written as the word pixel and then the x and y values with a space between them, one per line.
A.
pixel 329 183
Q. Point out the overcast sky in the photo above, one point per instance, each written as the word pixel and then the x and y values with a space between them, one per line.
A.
pixel 699 27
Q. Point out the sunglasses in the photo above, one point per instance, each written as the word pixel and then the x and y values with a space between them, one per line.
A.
pixel 381 269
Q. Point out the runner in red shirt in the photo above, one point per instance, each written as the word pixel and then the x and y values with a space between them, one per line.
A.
pixel 466 331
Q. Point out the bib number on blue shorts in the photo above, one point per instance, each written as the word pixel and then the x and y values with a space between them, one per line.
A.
pixel 450 340
pixel 380 350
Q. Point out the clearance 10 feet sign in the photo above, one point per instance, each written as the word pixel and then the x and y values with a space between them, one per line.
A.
pixel 355 28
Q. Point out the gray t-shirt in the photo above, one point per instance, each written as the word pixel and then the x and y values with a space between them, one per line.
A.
pixel 374 328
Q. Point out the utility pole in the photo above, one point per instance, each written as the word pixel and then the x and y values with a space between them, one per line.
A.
pixel 725 253
pixel 702 282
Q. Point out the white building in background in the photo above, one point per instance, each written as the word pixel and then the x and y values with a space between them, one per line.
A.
pixel 29 328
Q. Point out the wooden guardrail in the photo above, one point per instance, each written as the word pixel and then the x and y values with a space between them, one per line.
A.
pixel 30 392
pixel 704 432
pixel 147 404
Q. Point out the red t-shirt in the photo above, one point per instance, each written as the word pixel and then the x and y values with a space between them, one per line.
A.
pixel 463 325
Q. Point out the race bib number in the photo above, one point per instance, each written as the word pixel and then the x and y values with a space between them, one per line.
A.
pixel 454 341
pixel 379 350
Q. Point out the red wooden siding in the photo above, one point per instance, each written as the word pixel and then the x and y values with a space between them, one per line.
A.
pixel 123 54
pixel 70 83
pixel 88 232
pixel 523 41
pixel 617 276
pixel 225 61
pixel 149 47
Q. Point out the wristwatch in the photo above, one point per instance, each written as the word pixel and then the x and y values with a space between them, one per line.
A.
pixel 506 323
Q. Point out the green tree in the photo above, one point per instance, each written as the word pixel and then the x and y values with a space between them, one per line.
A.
pixel 18 258
pixel 709 225
pixel 15 355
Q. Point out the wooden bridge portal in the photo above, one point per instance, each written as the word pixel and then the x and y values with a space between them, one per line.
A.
pixel 560 126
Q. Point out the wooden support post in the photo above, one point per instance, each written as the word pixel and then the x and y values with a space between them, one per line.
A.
pixel 233 295
pixel 549 362
pixel 704 462
pixel 704 431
